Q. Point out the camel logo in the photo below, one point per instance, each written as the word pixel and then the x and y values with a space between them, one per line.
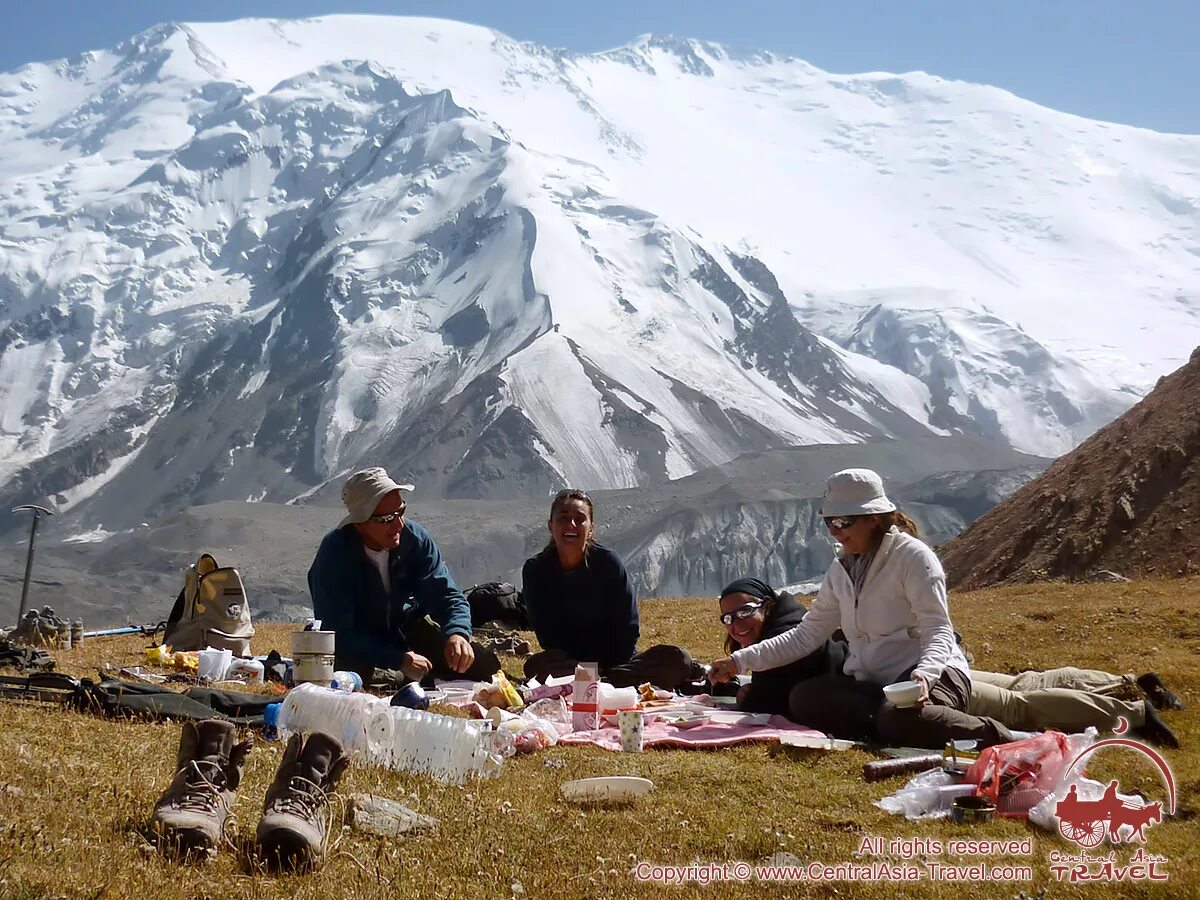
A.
pixel 1088 822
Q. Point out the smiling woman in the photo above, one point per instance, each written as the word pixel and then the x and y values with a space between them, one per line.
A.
pixel 583 606
pixel 887 593
pixel 752 611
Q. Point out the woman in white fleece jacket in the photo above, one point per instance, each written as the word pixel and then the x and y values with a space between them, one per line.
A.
pixel 887 592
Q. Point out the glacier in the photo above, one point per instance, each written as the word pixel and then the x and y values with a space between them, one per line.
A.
pixel 238 260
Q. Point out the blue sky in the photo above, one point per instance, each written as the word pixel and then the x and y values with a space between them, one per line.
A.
pixel 1136 61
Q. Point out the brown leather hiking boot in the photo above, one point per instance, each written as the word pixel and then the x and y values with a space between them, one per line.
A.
pixel 294 828
pixel 190 815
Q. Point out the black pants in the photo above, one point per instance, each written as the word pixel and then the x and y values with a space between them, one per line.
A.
pixel 856 710
pixel 662 665
pixel 425 638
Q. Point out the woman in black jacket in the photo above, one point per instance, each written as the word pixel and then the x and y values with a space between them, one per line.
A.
pixel 583 607
pixel 752 611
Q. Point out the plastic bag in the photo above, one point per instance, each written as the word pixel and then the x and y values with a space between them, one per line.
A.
pixel 554 712
pixel 1019 775
pixel 1042 813
pixel 926 796
pixel 537 736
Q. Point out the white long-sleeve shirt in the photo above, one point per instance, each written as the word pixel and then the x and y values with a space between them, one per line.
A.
pixel 898 620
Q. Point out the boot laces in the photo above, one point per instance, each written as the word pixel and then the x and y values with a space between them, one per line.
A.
pixel 202 793
pixel 302 797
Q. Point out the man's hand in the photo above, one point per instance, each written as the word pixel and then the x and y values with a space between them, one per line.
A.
pixel 722 670
pixel 415 666
pixel 459 653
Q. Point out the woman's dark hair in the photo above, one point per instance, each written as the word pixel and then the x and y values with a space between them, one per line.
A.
pixel 754 588
pixel 900 520
pixel 560 500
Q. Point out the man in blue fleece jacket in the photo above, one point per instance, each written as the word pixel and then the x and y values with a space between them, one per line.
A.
pixel 379 582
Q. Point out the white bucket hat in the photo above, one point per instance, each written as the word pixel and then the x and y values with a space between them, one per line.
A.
pixel 855 492
pixel 363 491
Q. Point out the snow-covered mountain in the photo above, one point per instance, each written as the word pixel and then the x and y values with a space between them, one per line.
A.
pixel 240 259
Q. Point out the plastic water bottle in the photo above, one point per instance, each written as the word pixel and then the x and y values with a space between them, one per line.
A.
pixel 271 722
pixel 406 740
pixel 346 682
pixel 77 632
pixel 310 707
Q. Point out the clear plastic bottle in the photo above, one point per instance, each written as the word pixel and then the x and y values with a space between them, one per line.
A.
pixel 346 682
pixel 403 739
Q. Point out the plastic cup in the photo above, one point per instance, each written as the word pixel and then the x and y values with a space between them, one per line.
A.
pixel 631 723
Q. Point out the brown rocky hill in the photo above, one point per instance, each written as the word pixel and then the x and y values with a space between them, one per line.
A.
pixel 1126 500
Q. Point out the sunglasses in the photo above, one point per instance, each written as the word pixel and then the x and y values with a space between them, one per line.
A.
pixel 389 518
pixel 742 612
pixel 840 523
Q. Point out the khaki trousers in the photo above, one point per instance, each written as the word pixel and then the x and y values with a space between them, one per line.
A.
pixel 1066 699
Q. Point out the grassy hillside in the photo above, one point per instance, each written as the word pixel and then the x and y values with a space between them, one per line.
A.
pixel 74 788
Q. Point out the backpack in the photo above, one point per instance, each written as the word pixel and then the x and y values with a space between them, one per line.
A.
pixel 211 610
pixel 113 699
pixel 497 601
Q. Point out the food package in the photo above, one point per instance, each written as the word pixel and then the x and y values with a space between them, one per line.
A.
pixel 510 693
pixel 585 697
pixel 534 738
pixel 158 656
pixel 612 699
pixel 500 693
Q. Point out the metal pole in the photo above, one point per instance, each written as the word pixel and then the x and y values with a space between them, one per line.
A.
pixel 37 515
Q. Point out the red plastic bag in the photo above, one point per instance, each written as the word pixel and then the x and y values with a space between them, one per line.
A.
pixel 1019 775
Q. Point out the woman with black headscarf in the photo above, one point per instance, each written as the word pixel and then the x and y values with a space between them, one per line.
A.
pixel 752 611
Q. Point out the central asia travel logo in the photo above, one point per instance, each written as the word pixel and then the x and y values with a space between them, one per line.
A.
pixel 1087 822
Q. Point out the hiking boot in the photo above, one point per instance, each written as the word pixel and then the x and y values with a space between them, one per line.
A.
pixel 190 816
pixel 1155 730
pixel 294 828
pixel 1160 695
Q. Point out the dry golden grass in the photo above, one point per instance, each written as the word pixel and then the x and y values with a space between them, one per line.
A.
pixel 75 788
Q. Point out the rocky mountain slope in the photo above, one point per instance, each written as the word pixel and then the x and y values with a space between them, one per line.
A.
pixel 1126 500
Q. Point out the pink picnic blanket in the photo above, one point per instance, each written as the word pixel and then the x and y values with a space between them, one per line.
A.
pixel 712 734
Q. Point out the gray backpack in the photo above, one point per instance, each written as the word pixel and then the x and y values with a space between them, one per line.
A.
pixel 211 610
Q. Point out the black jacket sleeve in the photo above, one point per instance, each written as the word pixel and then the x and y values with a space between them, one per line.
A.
pixel 544 617
pixel 626 625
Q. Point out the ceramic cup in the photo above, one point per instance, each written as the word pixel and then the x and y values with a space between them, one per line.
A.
pixel 630 722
